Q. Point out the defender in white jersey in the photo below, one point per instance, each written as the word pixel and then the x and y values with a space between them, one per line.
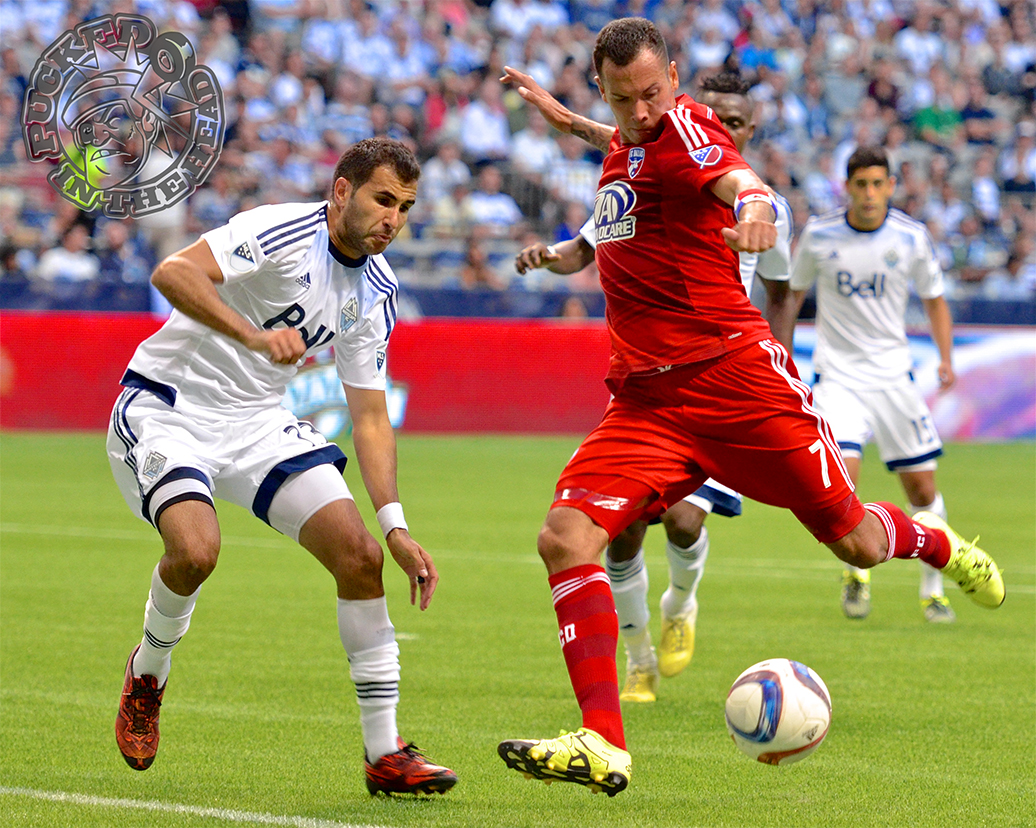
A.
pixel 200 417
pixel 864 261
pixel 687 539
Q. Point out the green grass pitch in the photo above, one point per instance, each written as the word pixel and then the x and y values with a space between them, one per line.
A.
pixel 932 725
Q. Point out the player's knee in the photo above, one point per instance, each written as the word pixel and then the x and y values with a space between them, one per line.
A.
pixel 189 562
pixel 683 528
pixel 628 542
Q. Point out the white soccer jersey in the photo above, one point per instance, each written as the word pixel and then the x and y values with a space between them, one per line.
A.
pixel 863 281
pixel 773 264
pixel 280 270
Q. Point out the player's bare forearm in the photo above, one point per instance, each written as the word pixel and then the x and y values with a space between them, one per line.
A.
pixel 562 258
pixel 781 310
pixel 941 320
pixel 375 443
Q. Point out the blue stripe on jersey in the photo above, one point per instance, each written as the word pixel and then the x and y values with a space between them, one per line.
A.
pixel 831 217
pixel 285 225
pixel 296 232
pixel 166 393
pixel 305 234
pixel 382 283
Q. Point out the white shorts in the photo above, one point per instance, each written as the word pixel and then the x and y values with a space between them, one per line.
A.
pixel 897 419
pixel 161 455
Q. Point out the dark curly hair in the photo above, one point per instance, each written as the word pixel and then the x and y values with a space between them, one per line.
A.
pixel 359 162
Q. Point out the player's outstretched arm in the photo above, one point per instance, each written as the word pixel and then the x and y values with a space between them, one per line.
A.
pixel 755 230
pixel 557 114
pixel 942 334
pixel 188 280
pixel 375 444
pixel 564 257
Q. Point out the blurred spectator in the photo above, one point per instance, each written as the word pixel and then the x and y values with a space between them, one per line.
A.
pixel 573 308
pixel 981 125
pixel 575 177
pixel 442 172
pixel 495 209
pixel 918 44
pixel 573 218
pixel 946 209
pixel 985 191
pixel 485 132
pixel 476 272
pixel 123 257
pixel 71 260
pixel 1016 280
pixel 368 52
pixel 533 149
pixel 451 214
pixel 286 174
pixel 939 123
pixel 1018 161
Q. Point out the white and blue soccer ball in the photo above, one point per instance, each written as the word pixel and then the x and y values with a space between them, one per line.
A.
pixel 778 711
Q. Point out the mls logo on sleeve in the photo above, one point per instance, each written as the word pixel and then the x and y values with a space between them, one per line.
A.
pixel 348 317
pixel 706 156
pixel 381 359
pixel 242 259
pixel 635 161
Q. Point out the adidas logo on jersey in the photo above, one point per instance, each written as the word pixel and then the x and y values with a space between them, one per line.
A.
pixel 833 254
pixel 303 280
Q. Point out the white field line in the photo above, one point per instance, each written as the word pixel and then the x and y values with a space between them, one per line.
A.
pixel 225 814
pixel 820 569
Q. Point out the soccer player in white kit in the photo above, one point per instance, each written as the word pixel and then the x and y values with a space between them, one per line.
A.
pixel 200 417
pixel 687 539
pixel 863 261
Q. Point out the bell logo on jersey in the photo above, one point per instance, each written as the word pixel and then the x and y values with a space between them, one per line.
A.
pixel 348 317
pixel 706 156
pixel 635 160
pixel 612 209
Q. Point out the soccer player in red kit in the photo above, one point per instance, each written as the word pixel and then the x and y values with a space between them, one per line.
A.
pixel 700 389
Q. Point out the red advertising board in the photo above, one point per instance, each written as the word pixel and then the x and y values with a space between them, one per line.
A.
pixel 61 371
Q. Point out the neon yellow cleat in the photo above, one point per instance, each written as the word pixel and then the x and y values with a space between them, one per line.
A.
pixel 641 683
pixel 970 566
pixel 677 644
pixel 583 757
pixel 856 593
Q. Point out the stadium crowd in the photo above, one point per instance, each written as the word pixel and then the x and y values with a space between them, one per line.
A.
pixel 947 86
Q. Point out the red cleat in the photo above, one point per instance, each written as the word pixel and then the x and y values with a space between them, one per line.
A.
pixel 407 771
pixel 136 726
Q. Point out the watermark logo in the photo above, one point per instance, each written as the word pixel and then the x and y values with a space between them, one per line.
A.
pixel 133 122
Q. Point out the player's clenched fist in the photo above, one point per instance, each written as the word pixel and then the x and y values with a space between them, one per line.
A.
pixel 284 346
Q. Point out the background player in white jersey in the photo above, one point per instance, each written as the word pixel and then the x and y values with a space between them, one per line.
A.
pixel 863 261
pixel 200 417
pixel 687 539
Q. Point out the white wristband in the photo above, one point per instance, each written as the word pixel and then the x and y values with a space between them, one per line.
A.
pixel 390 516
pixel 749 196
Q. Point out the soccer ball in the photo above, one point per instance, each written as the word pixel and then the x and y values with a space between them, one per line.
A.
pixel 778 711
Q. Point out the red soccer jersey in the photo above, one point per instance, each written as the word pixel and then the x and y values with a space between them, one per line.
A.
pixel 673 289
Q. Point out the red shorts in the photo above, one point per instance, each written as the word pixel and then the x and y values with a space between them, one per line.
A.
pixel 745 419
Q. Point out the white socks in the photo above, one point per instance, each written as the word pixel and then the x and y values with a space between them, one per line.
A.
pixel 629 582
pixel 931 578
pixel 370 643
pixel 166 618
pixel 686 566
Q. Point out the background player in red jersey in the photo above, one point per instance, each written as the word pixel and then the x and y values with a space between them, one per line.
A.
pixel 699 389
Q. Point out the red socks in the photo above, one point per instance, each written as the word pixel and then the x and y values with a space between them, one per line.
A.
pixel 908 539
pixel 589 633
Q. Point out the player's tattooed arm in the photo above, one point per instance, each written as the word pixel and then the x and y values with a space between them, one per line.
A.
pixel 557 114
